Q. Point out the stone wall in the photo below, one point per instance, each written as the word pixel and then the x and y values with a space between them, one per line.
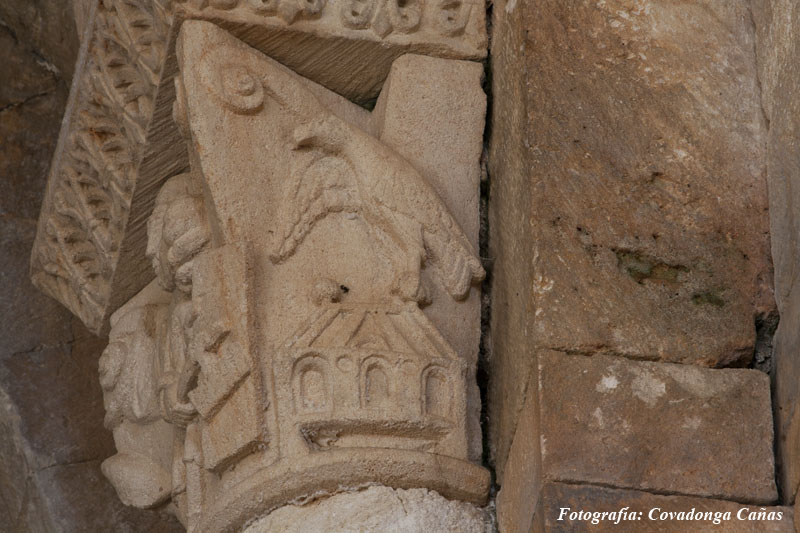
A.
pixel 777 24
pixel 52 438
pixel 629 232
pixel 635 147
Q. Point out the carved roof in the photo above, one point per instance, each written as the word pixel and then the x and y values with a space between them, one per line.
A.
pixel 363 328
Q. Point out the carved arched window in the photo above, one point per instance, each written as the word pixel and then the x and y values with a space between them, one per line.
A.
pixel 436 392
pixel 376 383
pixel 311 384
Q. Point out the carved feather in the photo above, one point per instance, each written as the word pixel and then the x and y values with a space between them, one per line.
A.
pixel 360 174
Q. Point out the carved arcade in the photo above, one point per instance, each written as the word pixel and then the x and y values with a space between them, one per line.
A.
pixel 289 347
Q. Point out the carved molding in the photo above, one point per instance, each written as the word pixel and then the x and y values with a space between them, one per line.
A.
pixel 94 173
pixel 297 342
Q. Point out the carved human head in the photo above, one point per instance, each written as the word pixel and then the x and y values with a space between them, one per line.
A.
pixel 176 232
pixel 128 366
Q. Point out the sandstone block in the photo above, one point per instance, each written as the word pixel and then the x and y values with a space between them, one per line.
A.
pixel 777 23
pixel 653 512
pixel 521 488
pixel 654 426
pixel 633 201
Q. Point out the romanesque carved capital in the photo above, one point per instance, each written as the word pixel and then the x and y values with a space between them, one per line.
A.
pixel 118 142
pixel 313 324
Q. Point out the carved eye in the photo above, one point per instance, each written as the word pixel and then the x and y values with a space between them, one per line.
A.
pixel 224 4
pixel 313 7
pixel 242 89
pixel 264 6
pixel 356 14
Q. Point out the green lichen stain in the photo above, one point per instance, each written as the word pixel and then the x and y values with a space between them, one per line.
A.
pixel 642 268
pixel 708 298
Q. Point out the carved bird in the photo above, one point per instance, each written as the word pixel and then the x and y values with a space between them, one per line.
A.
pixel 350 171
pixel 340 168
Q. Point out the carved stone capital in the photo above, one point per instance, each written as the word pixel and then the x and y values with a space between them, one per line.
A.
pixel 314 322
pixel 118 142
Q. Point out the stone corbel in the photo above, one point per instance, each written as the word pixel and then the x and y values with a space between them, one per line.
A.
pixel 314 324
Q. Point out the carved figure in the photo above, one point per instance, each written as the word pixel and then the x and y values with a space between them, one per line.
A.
pixel 371 180
pixel 129 375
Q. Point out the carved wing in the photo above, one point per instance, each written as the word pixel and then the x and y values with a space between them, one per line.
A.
pixel 446 246
pixel 392 190
pixel 322 186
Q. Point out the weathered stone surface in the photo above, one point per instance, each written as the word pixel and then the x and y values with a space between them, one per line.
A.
pixel 60 426
pixel 80 499
pixel 377 510
pixel 510 237
pixel 21 508
pixel 777 24
pixel 46 27
pixel 32 320
pixel 283 353
pixel 521 489
pixel 662 427
pixel 556 496
pixel 31 102
pixel 119 143
pixel 636 208
pixel 655 426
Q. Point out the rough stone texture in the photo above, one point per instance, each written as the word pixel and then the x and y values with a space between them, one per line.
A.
pixel 654 426
pixel 21 507
pixel 377 510
pixel 294 343
pixel 31 101
pixel 120 144
pixel 80 499
pixel 47 27
pixel 50 413
pixel 628 187
pixel 519 495
pixel 591 498
pixel 651 426
pixel 60 426
pixel 778 25
pixel 35 320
